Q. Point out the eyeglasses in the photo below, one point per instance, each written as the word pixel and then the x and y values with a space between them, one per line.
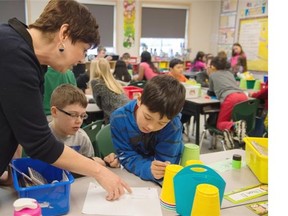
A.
pixel 74 115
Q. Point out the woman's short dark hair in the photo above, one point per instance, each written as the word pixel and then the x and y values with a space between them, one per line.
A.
pixel 165 95
pixel 82 24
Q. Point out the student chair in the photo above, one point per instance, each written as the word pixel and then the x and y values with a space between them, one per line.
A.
pixel 139 84
pixel 92 130
pixel 104 141
pixel 246 111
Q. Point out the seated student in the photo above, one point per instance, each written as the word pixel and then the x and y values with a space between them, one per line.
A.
pixel 202 77
pixel 147 132
pixel 52 79
pixel 101 53
pixel 107 92
pixel 121 71
pixel 82 81
pixel 224 85
pixel 126 58
pixel 262 95
pixel 147 69
pixel 176 67
pixel 68 109
pixel 198 63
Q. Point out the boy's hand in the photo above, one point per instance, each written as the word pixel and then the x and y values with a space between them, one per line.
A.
pixel 99 160
pixel 112 160
pixel 158 168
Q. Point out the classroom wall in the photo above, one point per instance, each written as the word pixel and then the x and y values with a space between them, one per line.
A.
pixel 202 24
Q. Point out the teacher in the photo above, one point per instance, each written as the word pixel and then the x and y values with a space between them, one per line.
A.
pixel 60 38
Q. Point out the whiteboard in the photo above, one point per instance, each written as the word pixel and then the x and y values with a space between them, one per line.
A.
pixel 253 37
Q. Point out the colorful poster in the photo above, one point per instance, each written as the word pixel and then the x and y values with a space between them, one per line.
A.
pixel 253 36
pixel 226 36
pixel 254 8
pixel 229 5
pixel 129 23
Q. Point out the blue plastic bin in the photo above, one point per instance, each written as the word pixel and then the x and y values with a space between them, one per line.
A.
pixel 54 198
pixel 186 181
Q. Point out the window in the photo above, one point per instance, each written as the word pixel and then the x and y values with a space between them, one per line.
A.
pixel 10 9
pixel 163 31
pixel 104 15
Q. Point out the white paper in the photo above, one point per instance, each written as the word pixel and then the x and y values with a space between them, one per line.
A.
pixel 142 201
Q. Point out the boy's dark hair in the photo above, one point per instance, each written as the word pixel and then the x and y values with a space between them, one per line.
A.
pixel 174 62
pixel 67 94
pixel 219 62
pixel 165 95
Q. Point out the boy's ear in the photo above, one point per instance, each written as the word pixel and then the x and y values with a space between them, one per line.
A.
pixel 138 97
pixel 53 110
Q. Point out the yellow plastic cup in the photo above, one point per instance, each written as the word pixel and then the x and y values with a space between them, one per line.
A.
pixel 206 201
pixel 190 152
pixel 257 85
pixel 192 162
pixel 243 84
pixel 167 192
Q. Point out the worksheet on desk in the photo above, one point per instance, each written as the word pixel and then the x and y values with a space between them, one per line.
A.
pixel 142 201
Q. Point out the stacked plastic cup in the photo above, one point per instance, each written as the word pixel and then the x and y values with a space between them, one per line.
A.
pixel 206 201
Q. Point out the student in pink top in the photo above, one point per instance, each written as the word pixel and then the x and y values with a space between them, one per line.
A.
pixel 176 67
pixel 237 52
pixel 199 63
pixel 147 69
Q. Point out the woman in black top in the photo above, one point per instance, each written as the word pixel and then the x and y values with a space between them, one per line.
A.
pixel 60 38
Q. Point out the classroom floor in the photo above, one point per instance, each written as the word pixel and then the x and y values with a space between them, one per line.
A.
pixel 207 141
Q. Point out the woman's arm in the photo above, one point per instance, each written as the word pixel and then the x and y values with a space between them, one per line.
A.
pixel 141 73
pixel 75 162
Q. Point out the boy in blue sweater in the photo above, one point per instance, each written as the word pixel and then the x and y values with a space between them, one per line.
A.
pixel 147 132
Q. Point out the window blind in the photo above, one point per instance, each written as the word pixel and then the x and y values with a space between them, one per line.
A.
pixel 104 15
pixel 10 9
pixel 163 23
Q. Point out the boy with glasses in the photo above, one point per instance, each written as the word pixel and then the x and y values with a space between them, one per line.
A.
pixel 68 110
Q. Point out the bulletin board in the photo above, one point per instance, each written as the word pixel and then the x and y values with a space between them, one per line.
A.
pixel 253 37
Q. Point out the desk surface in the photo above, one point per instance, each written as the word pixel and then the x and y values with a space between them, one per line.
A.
pixel 91 107
pixel 235 179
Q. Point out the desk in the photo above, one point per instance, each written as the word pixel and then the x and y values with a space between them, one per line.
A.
pixel 91 107
pixel 196 107
pixel 235 179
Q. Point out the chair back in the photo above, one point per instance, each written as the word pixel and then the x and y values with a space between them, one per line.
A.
pixel 104 141
pixel 140 84
pixel 92 130
pixel 247 111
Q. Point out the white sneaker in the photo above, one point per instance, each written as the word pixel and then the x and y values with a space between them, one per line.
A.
pixel 240 129
pixel 228 139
